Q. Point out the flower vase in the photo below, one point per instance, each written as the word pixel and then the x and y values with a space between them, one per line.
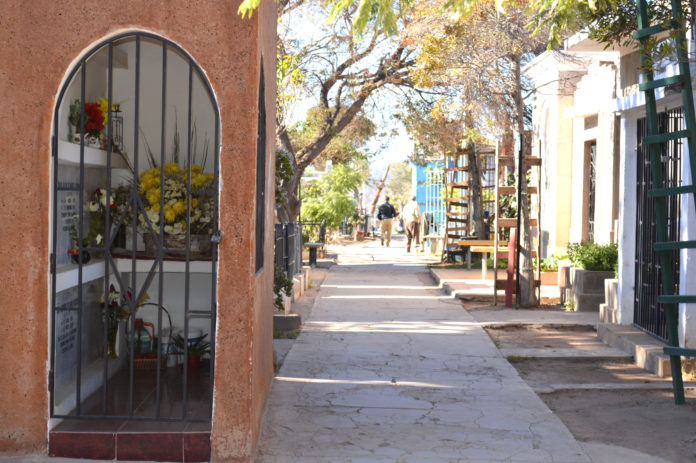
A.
pixel 111 338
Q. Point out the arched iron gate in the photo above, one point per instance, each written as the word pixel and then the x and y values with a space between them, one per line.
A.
pixel 134 235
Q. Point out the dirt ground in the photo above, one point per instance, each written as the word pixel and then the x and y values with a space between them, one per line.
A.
pixel 611 401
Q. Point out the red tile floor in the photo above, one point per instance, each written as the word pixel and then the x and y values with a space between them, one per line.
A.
pixel 108 436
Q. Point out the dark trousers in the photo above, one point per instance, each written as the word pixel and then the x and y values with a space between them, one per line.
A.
pixel 412 232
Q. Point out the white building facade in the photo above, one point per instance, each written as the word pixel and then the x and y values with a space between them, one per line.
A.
pixel 591 132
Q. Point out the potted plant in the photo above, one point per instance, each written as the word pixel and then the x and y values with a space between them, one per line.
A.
pixel 196 348
pixel 592 264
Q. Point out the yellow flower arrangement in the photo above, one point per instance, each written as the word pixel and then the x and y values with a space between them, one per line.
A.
pixel 175 198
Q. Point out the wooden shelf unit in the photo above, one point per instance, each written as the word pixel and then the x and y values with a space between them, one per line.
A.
pixel 511 222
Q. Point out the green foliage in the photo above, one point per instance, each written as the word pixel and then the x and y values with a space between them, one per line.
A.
pixel 502 262
pixel 281 284
pixel 331 197
pixel 282 334
pixel 592 256
pixel 283 174
pixel 344 146
pixel 399 185
pixel 195 348
pixel 549 264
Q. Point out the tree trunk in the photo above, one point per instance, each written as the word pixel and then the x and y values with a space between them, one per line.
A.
pixel 526 271
pixel 474 192
pixel 380 187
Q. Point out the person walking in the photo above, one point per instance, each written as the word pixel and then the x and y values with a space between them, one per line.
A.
pixel 412 217
pixel 386 214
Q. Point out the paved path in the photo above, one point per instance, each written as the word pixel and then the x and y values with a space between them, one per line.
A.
pixel 388 369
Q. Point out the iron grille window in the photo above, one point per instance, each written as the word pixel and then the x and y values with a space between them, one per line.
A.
pixel 261 175
pixel 648 314
pixel 135 231
pixel 592 193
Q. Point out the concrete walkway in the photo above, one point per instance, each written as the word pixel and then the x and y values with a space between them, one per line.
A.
pixel 388 369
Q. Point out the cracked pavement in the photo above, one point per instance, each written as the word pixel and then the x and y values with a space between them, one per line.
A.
pixel 389 369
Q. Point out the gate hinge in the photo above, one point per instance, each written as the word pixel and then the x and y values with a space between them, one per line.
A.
pixel 50 381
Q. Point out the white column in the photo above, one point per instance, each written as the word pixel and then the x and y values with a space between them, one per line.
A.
pixel 627 218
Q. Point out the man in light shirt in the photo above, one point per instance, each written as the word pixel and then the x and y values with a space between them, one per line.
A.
pixel 412 218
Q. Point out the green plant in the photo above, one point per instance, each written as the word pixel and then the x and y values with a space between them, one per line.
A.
pixel 74 115
pixel 549 264
pixel 282 334
pixel 195 348
pixel 592 256
pixel 281 284
pixel 518 358
pixel 502 262
pixel 569 305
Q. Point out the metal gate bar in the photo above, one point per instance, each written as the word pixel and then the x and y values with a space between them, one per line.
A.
pixel 649 316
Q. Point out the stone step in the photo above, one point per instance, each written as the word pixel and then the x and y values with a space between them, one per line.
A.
pixel 646 350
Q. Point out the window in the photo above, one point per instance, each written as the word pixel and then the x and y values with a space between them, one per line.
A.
pixel 261 175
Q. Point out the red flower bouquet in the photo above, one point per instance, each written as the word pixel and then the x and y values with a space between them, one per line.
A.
pixel 95 119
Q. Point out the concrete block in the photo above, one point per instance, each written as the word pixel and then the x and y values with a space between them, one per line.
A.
pixel 587 302
pixel 587 288
pixel 607 314
pixel 300 283
pixel 646 350
pixel 589 281
pixel 287 322
pixel 287 304
pixel 611 297
pixel 307 272
pixel 296 289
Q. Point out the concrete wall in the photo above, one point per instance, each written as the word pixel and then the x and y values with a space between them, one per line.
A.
pixel 39 41
pixel 554 140
pixel 593 122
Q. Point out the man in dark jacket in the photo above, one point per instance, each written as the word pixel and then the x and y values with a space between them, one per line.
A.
pixel 386 214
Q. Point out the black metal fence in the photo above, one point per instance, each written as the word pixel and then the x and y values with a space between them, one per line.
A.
pixel 288 247
pixel 648 314
pixel 289 240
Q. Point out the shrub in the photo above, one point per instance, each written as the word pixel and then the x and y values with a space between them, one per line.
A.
pixel 549 264
pixel 281 284
pixel 592 256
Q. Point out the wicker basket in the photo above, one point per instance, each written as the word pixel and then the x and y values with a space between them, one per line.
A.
pixel 149 363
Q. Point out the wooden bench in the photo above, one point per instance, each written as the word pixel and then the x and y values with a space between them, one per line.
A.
pixel 312 247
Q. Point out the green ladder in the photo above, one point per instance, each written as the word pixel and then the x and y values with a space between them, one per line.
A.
pixel 659 192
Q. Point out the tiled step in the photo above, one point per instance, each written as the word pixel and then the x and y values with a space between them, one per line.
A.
pixel 131 441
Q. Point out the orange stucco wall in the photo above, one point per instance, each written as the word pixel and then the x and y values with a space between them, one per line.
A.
pixel 38 42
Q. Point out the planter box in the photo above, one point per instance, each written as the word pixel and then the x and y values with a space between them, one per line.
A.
pixel 587 288
pixel 549 278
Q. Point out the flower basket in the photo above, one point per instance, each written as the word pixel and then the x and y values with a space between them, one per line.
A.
pixel 200 246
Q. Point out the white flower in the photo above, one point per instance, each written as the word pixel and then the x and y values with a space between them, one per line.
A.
pixel 93 206
pixel 98 239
